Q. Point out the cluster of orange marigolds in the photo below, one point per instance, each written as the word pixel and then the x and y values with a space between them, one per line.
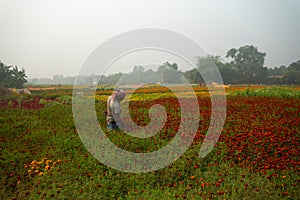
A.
pixel 40 167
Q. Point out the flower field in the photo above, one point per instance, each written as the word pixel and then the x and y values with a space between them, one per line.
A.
pixel 256 156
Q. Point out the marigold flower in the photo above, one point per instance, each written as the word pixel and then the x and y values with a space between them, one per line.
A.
pixel 48 162
pixel 47 167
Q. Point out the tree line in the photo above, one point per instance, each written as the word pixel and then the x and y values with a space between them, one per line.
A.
pixel 245 66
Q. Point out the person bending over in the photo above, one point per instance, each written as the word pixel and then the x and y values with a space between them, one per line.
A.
pixel 113 119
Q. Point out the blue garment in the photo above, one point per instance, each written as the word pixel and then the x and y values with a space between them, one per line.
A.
pixel 112 125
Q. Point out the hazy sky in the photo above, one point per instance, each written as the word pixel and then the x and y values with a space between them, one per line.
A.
pixel 55 37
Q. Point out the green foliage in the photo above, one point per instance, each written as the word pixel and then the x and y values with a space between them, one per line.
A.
pixel 250 64
pixel 12 77
pixel 280 92
pixel 48 103
pixel 292 74
pixel 65 99
pixel 168 73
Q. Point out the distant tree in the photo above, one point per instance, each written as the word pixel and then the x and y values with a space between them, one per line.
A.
pixel 208 68
pixel 295 66
pixel 151 76
pixel 277 71
pixel 18 77
pixel 5 75
pixel 102 80
pixel 138 74
pixel 169 73
pixel 249 62
pixel 229 74
pixel 12 77
pixel 193 76
pixel 138 69
pixel 275 75
pixel 292 74
pixel 117 78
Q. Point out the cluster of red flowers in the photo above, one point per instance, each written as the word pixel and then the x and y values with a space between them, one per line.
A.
pixel 260 133
pixel 263 133
pixel 26 103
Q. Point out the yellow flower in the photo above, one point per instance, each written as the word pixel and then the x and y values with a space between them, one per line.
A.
pixel 48 161
pixel 47 167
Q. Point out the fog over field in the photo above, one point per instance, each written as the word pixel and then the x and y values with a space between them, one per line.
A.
pixel 50 38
